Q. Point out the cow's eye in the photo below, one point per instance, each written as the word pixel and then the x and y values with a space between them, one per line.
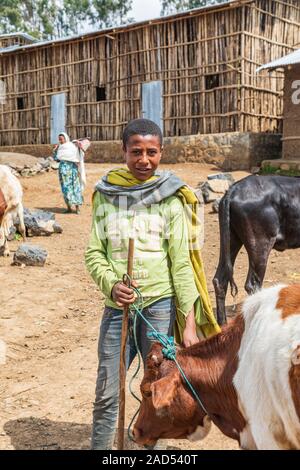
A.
pixel 146 392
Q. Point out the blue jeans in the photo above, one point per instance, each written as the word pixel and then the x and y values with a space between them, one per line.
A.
pixel 161 315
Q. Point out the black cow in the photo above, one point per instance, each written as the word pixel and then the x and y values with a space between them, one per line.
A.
pixel 261 213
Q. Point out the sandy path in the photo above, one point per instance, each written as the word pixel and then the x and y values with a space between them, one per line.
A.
pixel 49 320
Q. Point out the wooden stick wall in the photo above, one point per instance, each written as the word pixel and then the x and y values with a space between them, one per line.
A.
pixel 205 60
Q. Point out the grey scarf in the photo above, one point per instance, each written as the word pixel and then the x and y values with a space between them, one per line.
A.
pixel 142 195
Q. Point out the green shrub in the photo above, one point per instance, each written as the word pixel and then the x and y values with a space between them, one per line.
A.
pixel 273 170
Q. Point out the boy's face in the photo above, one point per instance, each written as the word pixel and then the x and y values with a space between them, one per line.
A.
pixel 142 155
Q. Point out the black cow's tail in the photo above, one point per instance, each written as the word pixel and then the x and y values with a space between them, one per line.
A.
pixel 224 221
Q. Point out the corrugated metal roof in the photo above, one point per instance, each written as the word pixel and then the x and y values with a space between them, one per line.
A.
pixel 289 59
pixel 10 48
pixel 19 34
pixel 229 3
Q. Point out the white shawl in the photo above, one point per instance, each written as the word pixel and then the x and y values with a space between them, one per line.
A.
pixel 69 152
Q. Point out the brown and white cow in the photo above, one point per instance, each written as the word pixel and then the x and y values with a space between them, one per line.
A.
pixel 248 378
pixel 10 205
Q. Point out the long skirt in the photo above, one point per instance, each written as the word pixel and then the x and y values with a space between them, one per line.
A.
pixel 70 183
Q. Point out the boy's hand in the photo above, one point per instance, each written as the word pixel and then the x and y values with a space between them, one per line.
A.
pixel 190 333
pixel 123 295
pixel 189 338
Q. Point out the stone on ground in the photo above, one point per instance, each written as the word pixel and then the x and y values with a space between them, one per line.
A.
pixel 25 165
pixel 214 189
pixel 17 161
pixel 221 176
pixel 39 222
pixel 215 186
pixel 30 255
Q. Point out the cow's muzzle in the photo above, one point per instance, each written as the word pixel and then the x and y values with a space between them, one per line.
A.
pixel 141 439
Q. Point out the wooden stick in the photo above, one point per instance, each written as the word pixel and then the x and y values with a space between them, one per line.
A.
pixel 66 90
pixel 67 64
pixel 265 12
pixel 23 130
pixel 44 91
pixel 292 137
pixel 102 102
pixel 270 41
pixel 24 110
pixel 118 124
pixel 225 87
pixel 178 69
pixel 290 5
pixel 122 370
pixel 172 46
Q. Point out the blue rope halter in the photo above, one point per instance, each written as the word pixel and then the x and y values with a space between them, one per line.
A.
pixel 168 350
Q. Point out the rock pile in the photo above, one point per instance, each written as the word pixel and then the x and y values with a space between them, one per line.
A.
pixel 215 187
pixel 39 223
pixel 27 165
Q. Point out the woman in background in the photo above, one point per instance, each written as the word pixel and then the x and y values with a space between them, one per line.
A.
pixel 71 171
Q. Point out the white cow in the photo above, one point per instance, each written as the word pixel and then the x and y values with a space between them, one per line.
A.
pixel 12 193
pixel 269 369
pixel 247 377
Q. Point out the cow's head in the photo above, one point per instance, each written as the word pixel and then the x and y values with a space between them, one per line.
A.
pixel 168 410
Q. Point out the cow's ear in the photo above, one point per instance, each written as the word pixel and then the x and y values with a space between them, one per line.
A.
pixel 164 391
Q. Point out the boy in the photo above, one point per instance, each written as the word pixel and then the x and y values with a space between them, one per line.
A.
pixel 145 201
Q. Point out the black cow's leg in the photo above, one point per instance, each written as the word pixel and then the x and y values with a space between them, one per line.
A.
pixel 258 259
pixel 221 278
pixel 220 282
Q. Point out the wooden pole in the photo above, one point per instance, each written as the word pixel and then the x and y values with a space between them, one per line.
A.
pixel 122 370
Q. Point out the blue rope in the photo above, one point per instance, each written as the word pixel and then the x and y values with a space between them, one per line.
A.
pixel 168 350
pixel 170 353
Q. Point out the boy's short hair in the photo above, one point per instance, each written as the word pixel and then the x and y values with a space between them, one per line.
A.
pixel 141 127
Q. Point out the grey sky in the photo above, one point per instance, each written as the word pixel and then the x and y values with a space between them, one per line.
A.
pixel 145 9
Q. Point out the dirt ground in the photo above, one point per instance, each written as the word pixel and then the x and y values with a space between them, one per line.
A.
pixel 49 321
